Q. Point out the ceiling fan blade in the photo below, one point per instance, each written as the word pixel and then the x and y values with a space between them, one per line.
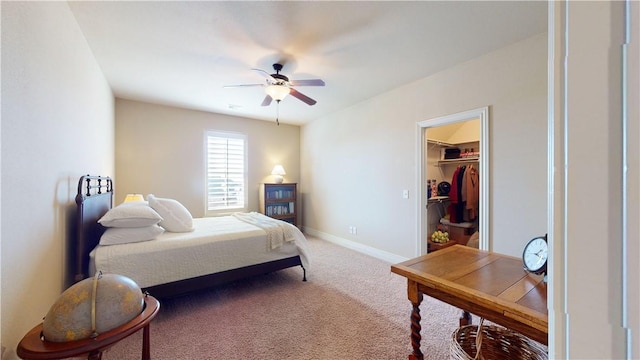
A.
pixel 304 98
pixel 242 85
pixel 267 101
pixel 308 82
pixel 265 74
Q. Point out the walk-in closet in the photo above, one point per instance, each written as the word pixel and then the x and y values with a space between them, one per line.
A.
pixel 453 184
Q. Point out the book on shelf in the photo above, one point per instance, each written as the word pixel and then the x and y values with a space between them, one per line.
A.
pixel 279 194
pixel 281 209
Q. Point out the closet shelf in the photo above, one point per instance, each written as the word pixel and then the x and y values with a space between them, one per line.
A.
pixel 439 142
pixel 459 161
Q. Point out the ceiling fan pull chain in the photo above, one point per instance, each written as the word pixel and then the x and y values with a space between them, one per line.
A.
pixel 278 112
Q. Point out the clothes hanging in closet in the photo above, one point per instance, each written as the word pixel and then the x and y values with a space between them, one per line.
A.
pixel 464 195
pixel 471 193
pixel 456 207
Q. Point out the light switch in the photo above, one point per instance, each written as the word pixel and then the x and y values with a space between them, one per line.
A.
pixel 405 194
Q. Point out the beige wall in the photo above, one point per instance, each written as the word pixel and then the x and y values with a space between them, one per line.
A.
pixel 160 150
pixel 57 124
pixel 633 190
pixel 469 131
pixel 356 162
pixel 593 297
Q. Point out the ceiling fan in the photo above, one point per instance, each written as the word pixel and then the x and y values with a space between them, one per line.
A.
pixel 278 86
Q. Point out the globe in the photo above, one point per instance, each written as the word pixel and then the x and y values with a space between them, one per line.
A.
pixel 118 300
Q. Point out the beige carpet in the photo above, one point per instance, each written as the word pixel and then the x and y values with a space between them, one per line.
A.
pixel 351 307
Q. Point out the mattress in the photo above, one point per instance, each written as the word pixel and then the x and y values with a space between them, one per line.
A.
pixel 217 244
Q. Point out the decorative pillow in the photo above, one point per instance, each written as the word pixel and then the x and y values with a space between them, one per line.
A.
pixel 175 217
pixel 115 236
pixel 130 215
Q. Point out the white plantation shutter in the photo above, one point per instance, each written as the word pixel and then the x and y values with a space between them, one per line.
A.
pixel 225 171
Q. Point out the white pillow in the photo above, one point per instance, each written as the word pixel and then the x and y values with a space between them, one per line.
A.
pixel 115 236
pixel 175 217
pixel 130 215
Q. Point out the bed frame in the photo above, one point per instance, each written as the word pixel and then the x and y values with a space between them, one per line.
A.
pixel 95 198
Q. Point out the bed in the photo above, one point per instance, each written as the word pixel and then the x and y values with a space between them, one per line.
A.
pixel 218 250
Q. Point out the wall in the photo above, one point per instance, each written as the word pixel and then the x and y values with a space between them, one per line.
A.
pixel 456 133
pixel 160 150
pixel 594 137
pixel 57 124
pixel 356 162
pixel 469 131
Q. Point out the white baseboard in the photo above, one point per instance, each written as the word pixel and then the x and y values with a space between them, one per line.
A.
pixel 365 249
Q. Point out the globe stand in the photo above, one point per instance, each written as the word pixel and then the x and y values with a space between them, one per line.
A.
pixel 34 346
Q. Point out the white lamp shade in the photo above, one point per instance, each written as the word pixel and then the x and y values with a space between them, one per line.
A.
pixel 278 171
pixel 277 92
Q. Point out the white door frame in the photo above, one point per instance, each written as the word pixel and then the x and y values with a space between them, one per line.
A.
pixel 483 115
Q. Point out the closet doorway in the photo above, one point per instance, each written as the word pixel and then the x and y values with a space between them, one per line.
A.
pixel 465 131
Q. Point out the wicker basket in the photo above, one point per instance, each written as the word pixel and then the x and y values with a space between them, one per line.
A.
pixel 495 343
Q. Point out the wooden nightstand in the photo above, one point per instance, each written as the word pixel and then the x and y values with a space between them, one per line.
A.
pixel 32 346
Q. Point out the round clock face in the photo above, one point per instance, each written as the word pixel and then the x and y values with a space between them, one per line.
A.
pixel 535 255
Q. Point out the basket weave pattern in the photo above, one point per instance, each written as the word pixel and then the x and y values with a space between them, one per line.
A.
pixel 495 343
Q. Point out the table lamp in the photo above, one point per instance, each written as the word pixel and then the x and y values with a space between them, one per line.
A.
pixel 278 171
pixel 133 197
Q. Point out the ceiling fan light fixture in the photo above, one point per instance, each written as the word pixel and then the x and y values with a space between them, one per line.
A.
pixel 277 92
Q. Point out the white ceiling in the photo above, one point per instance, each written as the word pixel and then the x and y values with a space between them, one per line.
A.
pixel 183 53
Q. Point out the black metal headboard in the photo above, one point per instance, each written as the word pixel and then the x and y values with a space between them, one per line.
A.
pixel 94 199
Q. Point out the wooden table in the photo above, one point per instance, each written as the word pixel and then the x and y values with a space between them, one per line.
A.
pixel 489 285
pixel 32 346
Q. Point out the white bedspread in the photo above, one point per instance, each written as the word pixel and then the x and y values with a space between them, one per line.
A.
pixel 217 244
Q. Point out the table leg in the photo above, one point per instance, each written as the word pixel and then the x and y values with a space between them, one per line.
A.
pixel 465 318
pixel 146 346
pixel 415 297
pixel 95 355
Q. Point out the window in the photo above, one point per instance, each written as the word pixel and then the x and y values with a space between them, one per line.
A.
pixel 226 175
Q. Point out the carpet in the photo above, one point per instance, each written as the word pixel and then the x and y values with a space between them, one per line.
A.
pixel 351 307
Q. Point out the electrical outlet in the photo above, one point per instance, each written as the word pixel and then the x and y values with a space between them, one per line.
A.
pixel 355 230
